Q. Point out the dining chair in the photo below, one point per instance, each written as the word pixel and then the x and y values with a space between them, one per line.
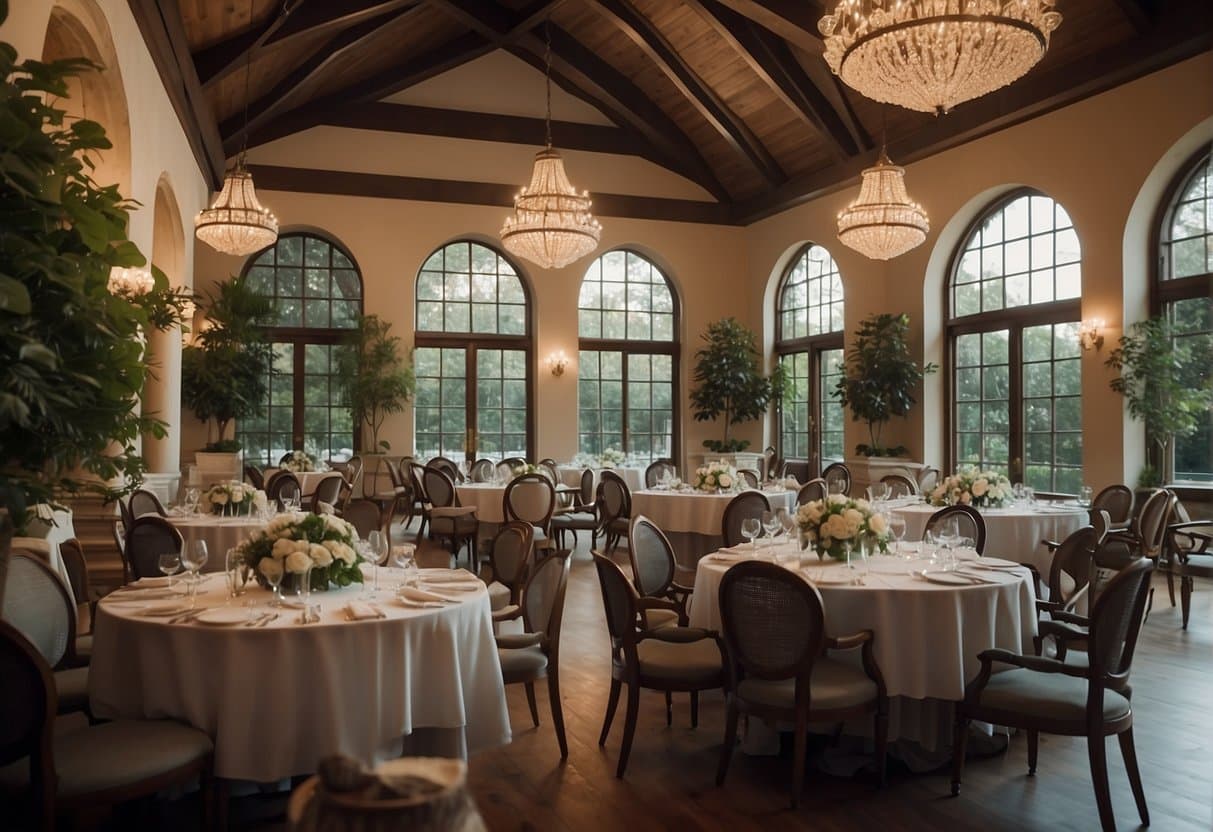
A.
pixel 749 476
pixel 364 515
pixel 124 513
pixel 1055 697
pixel 421 499
pixel 399 501
pixel 1188 554
pixel 118 532
pixel 969 523
pixel 668 659
pixel 72 553
pixel 145 502
pixel 581 516
pixel 928 478
pixel 656 573
pixel 773 622
pixel 814 489
pixel 450 466
pixel 531 498
pixel 1145 538
pixel 149 538
pixel 283 485
pixel 900 485
pixel 448 519
pixel 505 468
pixel 482 470
pixel 547 466
pixel 768 461
pixel 112 762
pixel 1071 572
pixel 837 475
pixel 746 505
pixel 353 470
pixel 38 605
pixel 328 491
pixel 657 469
pixel 254 476
pixel 615 508
pixel 510 555
pixel 535 653
pixel 1117 501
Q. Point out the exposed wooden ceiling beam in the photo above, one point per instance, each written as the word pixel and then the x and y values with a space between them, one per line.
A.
pixel 769 57
pixel 163 31
pixel 440 59
pixel 699 94
pixel 419 189
pixel 286 91
pixel 488 127
pixel 793 20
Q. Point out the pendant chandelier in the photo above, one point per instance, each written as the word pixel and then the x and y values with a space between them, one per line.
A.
pixel 236 223
pixel 551 225
pixel 883 221
pixel 930 55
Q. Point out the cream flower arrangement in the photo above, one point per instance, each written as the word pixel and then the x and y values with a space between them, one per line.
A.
pixel 300 462
pixel 716 476
pixel 827 525
pixel 972 487
pixel 233 498
pixel 294 544
pixel 610 458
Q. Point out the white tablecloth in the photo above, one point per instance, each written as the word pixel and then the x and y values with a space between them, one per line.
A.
pixel 276 699
pixel 220 534
pixel 307 479
pixel 927 636
pixel 1012 533
pixel 692 520
pixel 570 475
pixel 487 497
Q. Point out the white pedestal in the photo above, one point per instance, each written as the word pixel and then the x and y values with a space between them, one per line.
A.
pixel 211 468
pixel 164 486
pixel 867 470
pixel 739 460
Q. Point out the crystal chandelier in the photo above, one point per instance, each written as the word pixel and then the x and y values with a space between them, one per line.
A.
pixel 236 223
pixel 551 225
pixel 127 282
pixel 882 222
pixel 931 55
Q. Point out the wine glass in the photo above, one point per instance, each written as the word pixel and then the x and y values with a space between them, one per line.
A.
pixel 404 558
pixel 1084 496
pixel 770 524
pixel 192 498
pixel 274 579
pixel 169 564
pixel 751 527
pixel 897 528
pixel 234 566
pixel 786 523
pixel 879 491
pixel 376 543
pixel 194 556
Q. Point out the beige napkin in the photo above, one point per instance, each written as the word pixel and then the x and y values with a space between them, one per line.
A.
pixel 447 576
pixel 730 556
pixel 410 593
pixel 147 583
pixel 361 611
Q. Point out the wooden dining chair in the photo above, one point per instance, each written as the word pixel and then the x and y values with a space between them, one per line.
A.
pixel 814 489
pixel 72 553
pixel 1188 554
pixel 531 498
pixel 656 573
pixel 1117 501
pixel 450 466
pixel 448 519
pixel 1071 572
pixel 969 523
pixel 254 476
pixel 145 502
pixel 327 492
pixel 534 654
pixel 1055 697
pixel 615 509
pixel 928 478
pixel 1146 538
pixel 900 485
pixel 837 475
pixel 669 659
pixel 510 555
pixel 149 538
pixel 749 476
pixel 657 469
pixel 746 505
pixel 364 515
pixel 505 469
pixel 421 504
pixel 773 622
pixel 583 515
pixel 283 485
pixel 482 470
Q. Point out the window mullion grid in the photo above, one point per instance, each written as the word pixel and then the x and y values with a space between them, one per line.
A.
pixel 1016 447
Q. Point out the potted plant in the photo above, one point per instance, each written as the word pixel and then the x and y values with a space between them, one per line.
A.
pixel 880 378
pixel 225 371
pixel 729 384
pixel 1167 385
pixel 375 382
pixel 72 354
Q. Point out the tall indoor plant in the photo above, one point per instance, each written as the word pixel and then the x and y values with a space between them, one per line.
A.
pixel 375 381
pixel 880 378
pixel 1167 384
pixel 72 355
pixel 729 384
pixel 225 371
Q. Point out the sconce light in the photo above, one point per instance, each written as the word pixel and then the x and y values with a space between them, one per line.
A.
pixel 557 361
pixel 1089 335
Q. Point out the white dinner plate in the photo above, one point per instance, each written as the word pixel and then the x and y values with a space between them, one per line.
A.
pixel 450 586
pixel 222 617
pixel 946 578
pixel 992 563
pixel 421 605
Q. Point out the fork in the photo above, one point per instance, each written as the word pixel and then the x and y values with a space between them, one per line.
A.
pixel 268 619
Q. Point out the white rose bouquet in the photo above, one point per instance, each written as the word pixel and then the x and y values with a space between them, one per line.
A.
pixel 827 524
pixel 716 476
pixel 610 458
pixel 233 498
pixel 300 462
pixel 293 544
pixel 972 487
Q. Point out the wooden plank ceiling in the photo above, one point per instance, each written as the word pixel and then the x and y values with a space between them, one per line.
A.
pixel 731 94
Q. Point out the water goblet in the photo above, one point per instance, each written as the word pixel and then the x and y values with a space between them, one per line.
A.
pixel 1017 493
pixel 930 547
pixel 751 527
pixel 169 564
pixel 404 558
pixel 786 523
pixel 879 491
pixel 377 543
pixel 192 497
pixel 274 578
pixel 194 556
pixel 237 574
pixel 1029 495
pixel 771 525
pixel 897 528
pixel 1084 496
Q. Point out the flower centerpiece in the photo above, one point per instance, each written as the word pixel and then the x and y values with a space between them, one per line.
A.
pixel 233 498
pixel 300 462
pixel 611 458
pixel 301 543
pixel 526 468
pixel 831 523
pixel 715 477
pixel 972 487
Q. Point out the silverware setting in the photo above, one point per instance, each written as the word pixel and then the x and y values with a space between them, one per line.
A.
pixel 188 616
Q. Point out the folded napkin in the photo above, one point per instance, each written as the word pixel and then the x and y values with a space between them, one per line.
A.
pixel 410 593
pixel 148 583
pixel 361 611
pixel 447 576
pixel 741 549
pixel 725 556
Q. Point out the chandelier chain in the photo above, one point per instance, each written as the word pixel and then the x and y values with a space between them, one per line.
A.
pixel 547 76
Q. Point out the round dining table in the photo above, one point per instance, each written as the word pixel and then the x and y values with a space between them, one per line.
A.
pixel 307 479
pixel 276 694
pixel 927 631
pixel 220 534
pixel 570 475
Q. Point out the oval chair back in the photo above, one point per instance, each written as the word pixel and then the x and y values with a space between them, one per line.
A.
pixel 530 498
pixel 448 465
pixel 657 469
pixel 439 487
pixel 619 600
pixel 616 496
pixel 254 476
pixel 1073 565
pixel 900 485
pixel 1116 619
pixel 543 598
pixel 548 468
pixel 586 495
pixel 814 489
pixel 37 604
pixel 928 478
pixel 505 468
pixel 30 703
pixel 773 622
pixel 969 523
pixel 838 477
pixel 353 470
pixel 511 555
pixel 417 479
pixel 745 505
pixel 150 537
pixel 482 470
pixel 145 502
pixel 652 557
pixel 1117 501
pixel 1152 522
pixel 749 476
pixel 283 485
pixel 328 490
pixel 364 515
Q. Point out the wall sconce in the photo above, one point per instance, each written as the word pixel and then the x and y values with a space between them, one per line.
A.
pixel 1089 335
pixel 557 361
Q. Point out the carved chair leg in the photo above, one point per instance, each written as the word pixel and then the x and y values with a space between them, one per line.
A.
pixel 1033 747
pixel 612 704
pixel 1130 754
pixel 530 700
pixel 1185 598
pixel 1097 751
pixel 1171 586
pixel 629 728
pixel 557 711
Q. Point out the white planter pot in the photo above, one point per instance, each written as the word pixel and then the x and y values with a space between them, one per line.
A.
pixel 867 470
pixel 211 467
pixel 742 459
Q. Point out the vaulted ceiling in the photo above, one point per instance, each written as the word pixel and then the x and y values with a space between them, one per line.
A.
pixel 733 95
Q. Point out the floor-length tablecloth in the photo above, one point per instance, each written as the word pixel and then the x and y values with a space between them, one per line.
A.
pixel 277 699
pixel 307 479
pixel 570 475
pixel 220 534
pixel 927 636
pixel 487 499
pixel 692 519
pixel 1012 533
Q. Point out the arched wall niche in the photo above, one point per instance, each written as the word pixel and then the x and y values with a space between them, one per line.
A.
pixel 161 395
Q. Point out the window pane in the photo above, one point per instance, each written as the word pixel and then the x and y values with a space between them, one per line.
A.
pixel 982 392
pixel 1052 385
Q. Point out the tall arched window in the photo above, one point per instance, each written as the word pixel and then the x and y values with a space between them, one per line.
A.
pixel 809 324
pixel 1183 290
pixel 1013 321
pixel 627 382
pixel 317 292
pixel 473 355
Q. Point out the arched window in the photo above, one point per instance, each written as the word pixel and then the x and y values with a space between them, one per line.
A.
pixel 317 292
pixel 809 324
pixel 473 355
pixel 1183 290
pixel 627 381
pixel 1014 311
